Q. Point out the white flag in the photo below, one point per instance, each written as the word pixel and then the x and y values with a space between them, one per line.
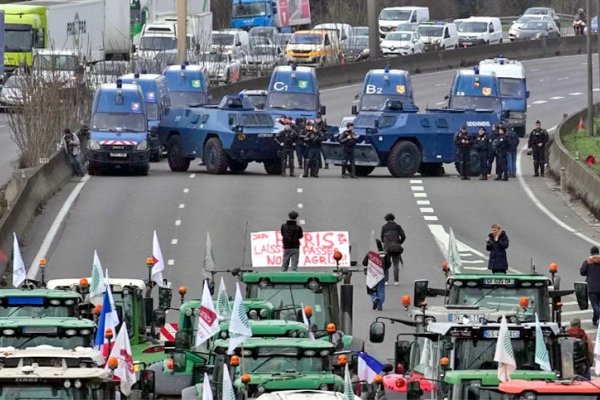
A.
pixel 159 262
pixel 454 262
pixel 597 353
pixel 208 322
pixel 97 285
pixel 504 355
pixel 239 326
pixel 223 307
pixel 348 389
pixel 19 272
pixel 541 352
pixel 209 256
pixel 207 393
pixel 306 323
pixel 228 392
pixel 122 352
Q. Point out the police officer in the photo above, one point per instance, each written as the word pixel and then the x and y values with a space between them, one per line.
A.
pixel 537 143
pixel 513 146
pixel 501 146
pixel 287 138
pixel 348 139
pixel 464 142
pixel 312 140
pixel 300 145
pixel 492 155
pixel 321 127
pixel 482 146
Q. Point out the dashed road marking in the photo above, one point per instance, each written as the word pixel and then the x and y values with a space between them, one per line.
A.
pixel 186 190
pixel 416 181
pixel 299 190
pixel 426 209
pixel 596 89
pixel 192 176
pixel 177 222
pixel 302 222
pixel 423 202
pixel 440 103
pixel 430 218
pixel 300 205
pixel 540 102
pixel 556 97
pixel 174 241
pixel 170 261
pixel 575 94
pixel 564 78
pixel 441 84
pixel 417 188
pixel 181 205
pixel 419 194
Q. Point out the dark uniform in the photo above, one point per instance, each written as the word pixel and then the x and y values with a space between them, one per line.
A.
pixel 300 145
pixel 537 143
pixel 348 139
pixel 321 127
pixel 492 155
pixel 501 147
pixel 464 142
pixel 287 139
pixel 483 146
pixel 312 140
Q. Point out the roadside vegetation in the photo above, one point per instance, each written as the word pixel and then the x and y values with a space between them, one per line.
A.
pixel 582 145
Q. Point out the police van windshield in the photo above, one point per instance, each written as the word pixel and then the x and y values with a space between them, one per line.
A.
pixel 35 391
pixel 432 31
pixel 395 15
pixel 306 39
pixel 183 99
pixel 242 10
pixel 476 27
pixel 293 101
pixel 157 43
pixel 256 119
pixel 475 102
pixel 514 88
pixel 130 122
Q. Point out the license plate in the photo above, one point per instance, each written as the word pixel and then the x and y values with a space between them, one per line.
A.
pixel 498 281
pixel 118 155
pixel 493 334
pixel 459 317
pixel 467 43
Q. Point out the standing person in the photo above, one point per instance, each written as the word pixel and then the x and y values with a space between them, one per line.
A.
pixel 497 244
pixel 537 143
pixel 392 236
pixel 321 127
pixel 312 140
pixel 583 361
pixel 513 146
pixel 70 142
pixel 301 149
pixel 348 139
pixel 482 147
pixel 464 142
pixel 591 270
pixel 377 293
pixel 501 146
pixel 493 137
pixel 291 233
pixel 287 141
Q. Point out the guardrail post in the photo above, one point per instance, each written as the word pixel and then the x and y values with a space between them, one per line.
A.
pixel 563 179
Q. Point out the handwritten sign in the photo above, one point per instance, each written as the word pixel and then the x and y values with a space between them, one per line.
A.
pixel 375 271
pixel 316 249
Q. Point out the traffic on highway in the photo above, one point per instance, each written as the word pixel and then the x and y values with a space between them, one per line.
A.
pixel 297 240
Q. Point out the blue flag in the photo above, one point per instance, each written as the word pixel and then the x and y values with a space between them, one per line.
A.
pixel 368 367
pixel 106 320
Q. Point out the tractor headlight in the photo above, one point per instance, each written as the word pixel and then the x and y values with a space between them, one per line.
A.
pixel 263 313
pixel 253 314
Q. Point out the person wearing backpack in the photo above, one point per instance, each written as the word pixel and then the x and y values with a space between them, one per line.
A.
pixel 291 233
pixel 513 145
pixel 392 236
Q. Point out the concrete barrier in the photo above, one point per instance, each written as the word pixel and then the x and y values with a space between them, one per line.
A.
pixel 579 179
pixel 428 62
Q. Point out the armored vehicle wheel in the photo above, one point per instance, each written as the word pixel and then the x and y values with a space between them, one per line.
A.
pixel 215 158
pixel 143 171
pixel 404 159
pixel 175 155
pixel 362 170
pixel 237 167
pixel 273 167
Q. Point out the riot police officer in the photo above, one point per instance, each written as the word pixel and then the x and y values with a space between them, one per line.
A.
pixel 537 143
pixel 312 140
pixel 464 142
pixel 287 141
pixel 501 147
pixel 482 146
pixel 321 127
pixel 301 148
pixel 348 139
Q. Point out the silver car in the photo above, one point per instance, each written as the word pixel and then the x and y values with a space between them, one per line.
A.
pixel 221 67
pixel 533 30
pixel 261 59
pixel 356 48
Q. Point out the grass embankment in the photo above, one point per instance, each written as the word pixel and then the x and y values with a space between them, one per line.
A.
pixel 582 144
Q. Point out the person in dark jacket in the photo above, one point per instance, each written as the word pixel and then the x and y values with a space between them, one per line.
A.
pixel 348 139
pixel 492 155
pixel 300 146
pixel 321 127
pixel 501 148
pixel 537 143
pixel 591 270
pixel 497 244
pixel 464 142
pixel 392 236
pixel 584 360
pixel 513 145
pixel 287 139
pixel 483 148
pixel 291 233
pixel 312 140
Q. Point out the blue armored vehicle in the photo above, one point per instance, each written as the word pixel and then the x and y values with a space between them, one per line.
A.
pixel 408 142
pixel 381 85
pixel 187 85
pixel 225 136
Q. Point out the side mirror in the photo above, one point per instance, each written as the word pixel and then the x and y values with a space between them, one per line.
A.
pixel 527 94
pixel 581 295
pixel 165 294
pixel 377 332
pixel 322 110
pixel 147 383
pixel 388 368
pixel 414 390
pixel 421 290
pixel 159 318
pixel 181 341
pixel 403 353
pixel 354 109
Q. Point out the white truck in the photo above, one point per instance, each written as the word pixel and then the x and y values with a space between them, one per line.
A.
pixel 97 29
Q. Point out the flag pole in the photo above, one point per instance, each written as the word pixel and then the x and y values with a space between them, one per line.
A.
pixel 244 244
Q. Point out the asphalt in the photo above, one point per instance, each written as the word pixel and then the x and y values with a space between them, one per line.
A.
pixel 8 151
pixel 117 214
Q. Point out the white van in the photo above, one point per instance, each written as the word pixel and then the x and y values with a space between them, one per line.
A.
pixel 232 41
pixel 344 30
pixel 438 35
pixel 475 31
pixel 391 17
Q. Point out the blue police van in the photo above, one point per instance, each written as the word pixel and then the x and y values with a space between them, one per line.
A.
pixel 157 101
pixel 294 91
pixel 475 90
pixel 186 85
pixel 381 85
pixel 119 129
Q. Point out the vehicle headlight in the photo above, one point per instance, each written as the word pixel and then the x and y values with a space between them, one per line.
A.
pixel 84 332
pixel 260 389
pixel 293 333
pixel 93 145
pixel 301 334
pixel 8 332
pixel 143 145
pixel 188 312
pixel 263 313
pixel 253 314
pixel 54 302
pixel 70 332
pixel 77 383
pixel 324 386
pixel 67 384
pixel 223 334
pixel 539 35
pixel 69 302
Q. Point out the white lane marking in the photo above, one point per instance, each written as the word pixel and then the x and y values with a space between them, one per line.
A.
pixel 596 89
pixel 564 78
pixel 440 103
pixel 575 94
pixel 177 222
pixel 170 261
pixel 441 84
pixel 174 241
pixel 528 105
pixel 534 70
pixel 556 97
pixel 539 102
pixel 300 205
pixel 476 268
pixel 430 218
pixel 570 303
pixel 299 190
pixel 423 202
pixel 2 126
pixel 302 222
pixel 181 205
pixel 543 208
pixel 186 190
pixel 192 176
pixel 416 181
pixel 418 194
pixel 576 312
pixel 426 209
pixel 54 228
pixel 417 188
